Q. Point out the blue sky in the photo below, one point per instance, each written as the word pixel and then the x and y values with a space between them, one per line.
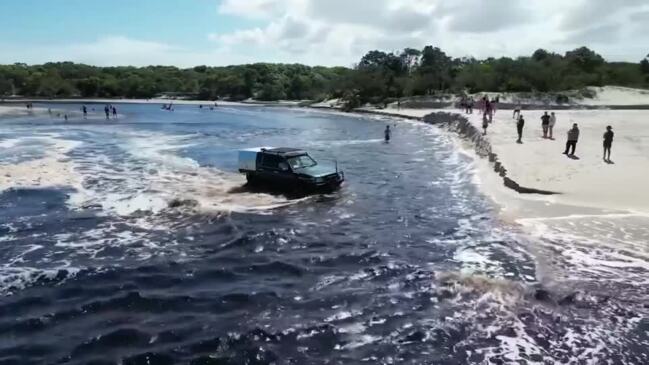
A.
pixel 327 32
pixel 75 21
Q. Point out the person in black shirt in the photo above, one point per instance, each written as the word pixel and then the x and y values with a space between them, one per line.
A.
pixel 545 124
pixel 519 128
pixel 608 142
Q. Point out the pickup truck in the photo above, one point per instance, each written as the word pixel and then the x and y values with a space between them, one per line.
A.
pixel 288 169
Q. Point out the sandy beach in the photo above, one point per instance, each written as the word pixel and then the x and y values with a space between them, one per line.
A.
pixel 585 180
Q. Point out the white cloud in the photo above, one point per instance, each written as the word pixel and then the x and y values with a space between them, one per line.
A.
pixel 118 51
pixel 339 32
pixel 335 31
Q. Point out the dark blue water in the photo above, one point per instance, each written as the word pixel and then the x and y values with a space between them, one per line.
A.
pixel 135 241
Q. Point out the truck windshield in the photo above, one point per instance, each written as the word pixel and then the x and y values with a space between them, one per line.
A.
pixel 299 162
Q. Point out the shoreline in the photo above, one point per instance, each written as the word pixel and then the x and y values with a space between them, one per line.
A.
pixel 495 169
pixel 533 173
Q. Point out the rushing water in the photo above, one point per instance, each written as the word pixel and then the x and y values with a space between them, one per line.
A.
pixel 136 241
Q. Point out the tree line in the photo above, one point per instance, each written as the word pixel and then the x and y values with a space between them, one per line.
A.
pixel 379 76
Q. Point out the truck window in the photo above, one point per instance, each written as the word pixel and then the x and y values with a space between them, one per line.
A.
pixel 271 161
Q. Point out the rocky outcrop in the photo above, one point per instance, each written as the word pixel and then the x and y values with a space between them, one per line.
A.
pixel 460 125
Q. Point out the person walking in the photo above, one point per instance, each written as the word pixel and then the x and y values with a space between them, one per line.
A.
pixel 85 112
pixel 545 124
pixel 553 121
pixel 388 134
pixel 573 137
pixel 107 112
pixel 519 127
pixel 114 112
pixel 608 142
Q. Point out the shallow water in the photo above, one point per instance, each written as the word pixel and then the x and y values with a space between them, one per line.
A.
pixel 407 263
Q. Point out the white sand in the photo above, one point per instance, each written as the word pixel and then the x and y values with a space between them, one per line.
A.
pixel 139 101
pixel 17 110
pixel 589 181
pixel 616 95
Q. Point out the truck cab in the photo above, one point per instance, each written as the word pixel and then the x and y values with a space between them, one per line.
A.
pixel 288 168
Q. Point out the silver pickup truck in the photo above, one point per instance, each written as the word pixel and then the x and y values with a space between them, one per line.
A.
pixel 288 168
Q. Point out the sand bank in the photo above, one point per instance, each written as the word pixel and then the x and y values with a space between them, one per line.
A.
pixel 586 180
pixel 18 110
pixel 538 163
pixel 157 101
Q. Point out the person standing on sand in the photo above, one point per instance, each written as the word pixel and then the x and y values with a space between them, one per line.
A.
pixel 485 124
pixel 545 124
pixel 489 110
pixel 517 111
pixel 107 112
pixel 471 105
pixel 114 113
pixel 553 121
pixel 573 137
pixel 519 127
pixel 608 142
pixel 387 134
pixel 85 112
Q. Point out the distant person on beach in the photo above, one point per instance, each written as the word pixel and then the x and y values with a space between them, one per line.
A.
pixel 573 137
pixel 107 112
pixel 489 110
pixel 85 112
pixel 114 113
pixel 388 134
pixel 553 121
pixel 398 104
pixel 608 142
pixel 494 104
pixel 517 111
pixel 200 106
pixel 519 128
pixel 485 124
pixel 545 124
pixel 471 105
pixel 65 117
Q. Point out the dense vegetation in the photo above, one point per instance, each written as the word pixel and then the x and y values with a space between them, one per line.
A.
pixel 377 77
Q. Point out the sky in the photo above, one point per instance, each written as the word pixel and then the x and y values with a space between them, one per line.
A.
pixel 187 33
